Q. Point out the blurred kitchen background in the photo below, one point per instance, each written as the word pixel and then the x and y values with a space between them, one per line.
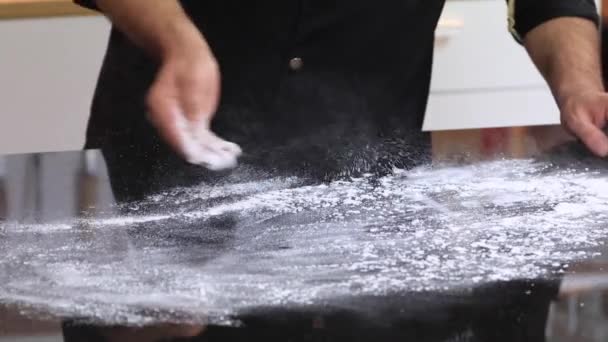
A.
pixel 487 98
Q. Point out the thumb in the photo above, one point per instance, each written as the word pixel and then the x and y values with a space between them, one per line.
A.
pixel 581 124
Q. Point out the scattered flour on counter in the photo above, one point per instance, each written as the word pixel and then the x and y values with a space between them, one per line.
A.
pixel 127 220
pixel 218 250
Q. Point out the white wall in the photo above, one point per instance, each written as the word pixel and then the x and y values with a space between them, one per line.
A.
pixel 48 70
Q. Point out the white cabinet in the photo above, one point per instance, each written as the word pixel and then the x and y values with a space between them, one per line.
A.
pixel 525 106
pixel 476 51
pixel 48 71
pixel 481 76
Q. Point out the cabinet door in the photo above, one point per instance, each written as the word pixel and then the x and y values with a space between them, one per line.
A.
pixel 475 50
pixel 485 109
pixel 481 77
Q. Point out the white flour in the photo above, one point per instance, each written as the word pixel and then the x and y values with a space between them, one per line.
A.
pixel 220 250
pixel 201 146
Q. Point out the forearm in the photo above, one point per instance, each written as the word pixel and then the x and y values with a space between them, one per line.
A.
pixel 159 26
pixel 567 52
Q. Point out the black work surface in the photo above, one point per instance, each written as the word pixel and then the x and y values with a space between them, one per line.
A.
pixel 489 252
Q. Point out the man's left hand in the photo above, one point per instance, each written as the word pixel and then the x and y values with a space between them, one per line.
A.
pixel 585 114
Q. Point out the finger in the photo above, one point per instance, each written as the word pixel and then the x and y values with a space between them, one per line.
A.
pixel 202 154
pixel 217 161
pixel 591 135
pixel 199 107
pixel 220 144
pixel 200 96
pixel 176 130
pixel 165 115
pixel 226 153
pixel 231 148
pixel 202 149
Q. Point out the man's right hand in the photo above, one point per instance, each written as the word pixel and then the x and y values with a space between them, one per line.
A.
pixel 181 104
pixel 186 92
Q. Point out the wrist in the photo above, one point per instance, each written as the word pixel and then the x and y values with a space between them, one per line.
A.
pixel 576 88
pixel 183 39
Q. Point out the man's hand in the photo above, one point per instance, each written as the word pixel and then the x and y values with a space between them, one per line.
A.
pixel 585 114
pixel 186 92
pixel 566 51
pixel 182 102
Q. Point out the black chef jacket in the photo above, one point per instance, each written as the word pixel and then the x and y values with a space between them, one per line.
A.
pixel 328 86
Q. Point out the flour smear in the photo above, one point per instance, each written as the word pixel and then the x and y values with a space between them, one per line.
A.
pixel 211 252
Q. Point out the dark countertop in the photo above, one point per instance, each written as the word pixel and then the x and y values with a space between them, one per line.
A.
pixel 499 251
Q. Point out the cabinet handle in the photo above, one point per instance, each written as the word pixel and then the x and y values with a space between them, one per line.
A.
pixel 447 28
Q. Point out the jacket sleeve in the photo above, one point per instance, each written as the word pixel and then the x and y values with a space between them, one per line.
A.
pixel 524 15
pixel 87 3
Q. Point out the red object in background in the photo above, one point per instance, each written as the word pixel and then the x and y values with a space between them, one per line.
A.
pixel 494 141
pixel 604 28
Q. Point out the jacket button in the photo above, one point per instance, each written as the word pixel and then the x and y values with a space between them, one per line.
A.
pixel 296 63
